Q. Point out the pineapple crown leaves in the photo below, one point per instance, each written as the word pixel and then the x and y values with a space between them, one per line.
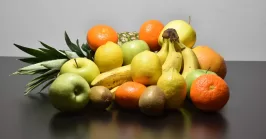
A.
pixel 47 61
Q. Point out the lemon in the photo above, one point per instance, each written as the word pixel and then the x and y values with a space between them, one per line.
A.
pixel 108 56
pixel 146 68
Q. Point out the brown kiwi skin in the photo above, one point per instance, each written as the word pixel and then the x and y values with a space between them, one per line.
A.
pixel 100 97
pixel 152 101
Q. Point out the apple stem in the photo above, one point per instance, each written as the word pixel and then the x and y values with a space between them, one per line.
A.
pixel 189 19
pixel 76 62
pixel 208 69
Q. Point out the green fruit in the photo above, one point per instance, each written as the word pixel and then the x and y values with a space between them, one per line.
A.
pixel 174 87
pixel 132 48
pixel 194 75
pixel 124 37
pixel 81 66
pixel 101 97
pixel 146 68
pixel 108 56
pixel 69 92
pixel 186 34
pixel 151 101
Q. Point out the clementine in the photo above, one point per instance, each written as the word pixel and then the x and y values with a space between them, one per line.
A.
pixel 209 92
pixel 127 95
pixel 99 35
pixel 210 59
pixel 149 32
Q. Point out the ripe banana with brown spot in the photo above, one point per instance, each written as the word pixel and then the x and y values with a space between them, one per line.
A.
pixel 114 77
pixel 190 60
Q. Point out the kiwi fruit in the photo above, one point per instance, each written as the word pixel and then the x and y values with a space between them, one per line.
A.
pixel 152 101
pixel 100 97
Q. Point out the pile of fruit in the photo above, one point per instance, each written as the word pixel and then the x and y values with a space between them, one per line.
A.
pixel 154 69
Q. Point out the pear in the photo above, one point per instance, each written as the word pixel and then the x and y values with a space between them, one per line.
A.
pixel 146 68
pixel 174 87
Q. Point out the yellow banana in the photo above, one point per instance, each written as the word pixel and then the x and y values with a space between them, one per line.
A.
pixel 114 77
pixel 113 91
pixel 174 58
pixel 162 54
pixel 190 60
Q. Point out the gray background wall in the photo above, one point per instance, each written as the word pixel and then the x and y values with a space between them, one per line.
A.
pixel 234 28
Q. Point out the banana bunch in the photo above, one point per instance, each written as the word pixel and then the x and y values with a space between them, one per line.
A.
pixel 175 54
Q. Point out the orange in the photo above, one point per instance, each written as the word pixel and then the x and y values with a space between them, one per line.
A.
pixel 127 95
pixel 100 34
pixel 209 92
pixel 209 58
pixel 149 32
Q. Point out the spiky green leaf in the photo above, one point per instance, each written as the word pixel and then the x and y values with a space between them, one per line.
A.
pixel 73 47
pixel 54 64
pixel 30 51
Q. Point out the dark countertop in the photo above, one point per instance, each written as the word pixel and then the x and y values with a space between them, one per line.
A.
pixel 33 117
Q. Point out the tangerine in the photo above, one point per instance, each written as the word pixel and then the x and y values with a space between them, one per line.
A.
pixel 127 95
pixel 209 92
pixel 149 32
pixel 100 34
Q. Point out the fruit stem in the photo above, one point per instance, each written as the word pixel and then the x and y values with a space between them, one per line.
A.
pixel 76 62
pixel 189 19
pixel 208 69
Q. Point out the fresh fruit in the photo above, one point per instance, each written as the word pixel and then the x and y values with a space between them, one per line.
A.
pixel 190 61
pixel 186 33
pixel 146 68
pixel 69 92
pixel 149 32
pixel 108 56
pixel 174 87
pixel 113 78
pixel 209 92
pixel 46 62
pixel 100 97
pixel 152 101
pixel 163 52
pixel 132 48
pixel 127 95
pixel 124 37
pixel 99 35
pixel 210 59
pixel 174 58
pixel 81 66
pixel 113 91
pixel 194 75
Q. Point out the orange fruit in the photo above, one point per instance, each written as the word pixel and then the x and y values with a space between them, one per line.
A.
pixel 149 32
pixel 100 34
pixel 209 92
pixel 127 95
pixel 210 59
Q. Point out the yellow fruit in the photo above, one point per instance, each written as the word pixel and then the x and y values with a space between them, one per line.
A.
pixel 146 68
pixel 187 35
pixel 108 56
pixel 174 87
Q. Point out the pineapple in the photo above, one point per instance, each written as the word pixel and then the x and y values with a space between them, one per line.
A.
pixel 46 62
pixel 127 36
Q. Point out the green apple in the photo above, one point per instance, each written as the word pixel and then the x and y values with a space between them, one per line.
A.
pixel 69 92
pixel 194 75
pixel 81 66
pixel 132 48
